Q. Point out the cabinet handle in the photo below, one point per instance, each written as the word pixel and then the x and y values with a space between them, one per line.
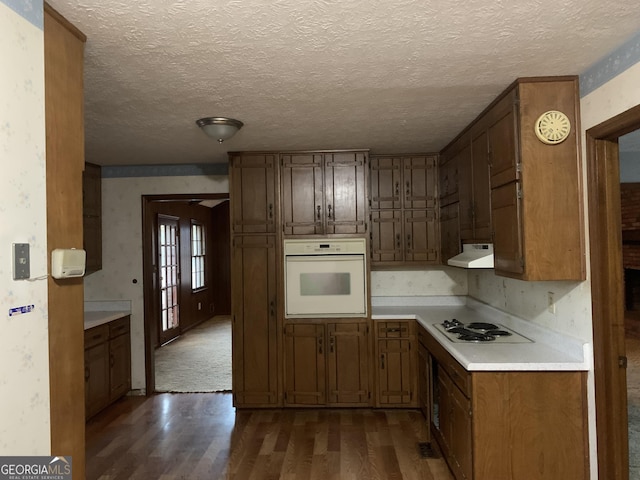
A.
pixel 272 306
pixel 409 241
pixel 398 240
pixel 382 361
pixel 318 207
pixel 329 208
pixel 271 210
pixel 320 345
pixel 397 189
pixel 331 344
pixel 408 189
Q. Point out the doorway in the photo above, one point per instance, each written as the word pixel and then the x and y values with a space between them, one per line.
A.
pixel 174 304
pixel 607 291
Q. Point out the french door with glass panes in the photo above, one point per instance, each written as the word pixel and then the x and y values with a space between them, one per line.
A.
pixel 168 271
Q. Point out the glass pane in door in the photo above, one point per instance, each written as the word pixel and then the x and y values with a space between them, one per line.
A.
pixel 169 276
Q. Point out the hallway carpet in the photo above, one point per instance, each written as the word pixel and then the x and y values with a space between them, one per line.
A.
pixel 633 399
pixel 197 361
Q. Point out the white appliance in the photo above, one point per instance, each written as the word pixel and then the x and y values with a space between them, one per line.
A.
pixel 68 262
pixel 474 255
pixel 325 278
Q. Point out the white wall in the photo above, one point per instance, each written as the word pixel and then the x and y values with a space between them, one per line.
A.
pixel 24 358
pixel 122 247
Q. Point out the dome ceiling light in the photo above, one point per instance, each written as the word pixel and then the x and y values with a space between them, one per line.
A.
pixel 220 128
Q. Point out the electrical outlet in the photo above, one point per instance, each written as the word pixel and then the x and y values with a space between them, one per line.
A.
pixel 551 303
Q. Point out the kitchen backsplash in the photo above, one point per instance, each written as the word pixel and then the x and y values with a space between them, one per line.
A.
pixel 436 281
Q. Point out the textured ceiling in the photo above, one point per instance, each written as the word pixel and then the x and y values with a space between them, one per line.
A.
pixel 392 75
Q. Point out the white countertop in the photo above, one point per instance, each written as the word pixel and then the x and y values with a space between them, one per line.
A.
pixel 99 313
pixel 549 350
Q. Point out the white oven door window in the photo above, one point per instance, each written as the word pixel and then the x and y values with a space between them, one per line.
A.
pixel 325 285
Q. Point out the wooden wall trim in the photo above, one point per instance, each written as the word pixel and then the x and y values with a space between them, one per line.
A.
pixel 65 23
pixel 607 291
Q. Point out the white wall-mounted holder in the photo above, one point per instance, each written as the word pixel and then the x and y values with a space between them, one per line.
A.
pixel 68 262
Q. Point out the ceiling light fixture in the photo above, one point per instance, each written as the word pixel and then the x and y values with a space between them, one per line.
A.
pixel 220 128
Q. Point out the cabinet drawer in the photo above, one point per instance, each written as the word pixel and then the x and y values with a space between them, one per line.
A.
pixel 401 329
pixel 119 327
pixel 96 335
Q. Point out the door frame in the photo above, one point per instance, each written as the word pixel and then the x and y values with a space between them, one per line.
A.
pixel 149 227
pixel 607 291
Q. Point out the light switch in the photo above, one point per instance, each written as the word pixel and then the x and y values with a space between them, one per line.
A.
pixel 21 261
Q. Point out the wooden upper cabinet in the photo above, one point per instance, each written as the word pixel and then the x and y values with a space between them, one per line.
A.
pixel 324 192
pixel 481 188
pixel 253 192
pixel 419 181
pixel 92 216
pixel 449 232
pixel 448 178
pixel 386 179
pixel 345 192
pixel 404 213
pixel 539 186
pixel 503 147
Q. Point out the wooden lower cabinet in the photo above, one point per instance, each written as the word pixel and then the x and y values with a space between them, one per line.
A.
pixel 107 364
pixel 508 425
pixel 326 362
pixel 396 369
pixel 255 324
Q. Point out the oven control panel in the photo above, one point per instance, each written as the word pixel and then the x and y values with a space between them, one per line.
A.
pixel 324 246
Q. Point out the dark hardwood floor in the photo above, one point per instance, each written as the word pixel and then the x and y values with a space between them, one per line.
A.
pixel 201 436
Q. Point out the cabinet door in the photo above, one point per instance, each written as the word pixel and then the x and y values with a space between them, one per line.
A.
pixel 252 178
pixel 443 421
pixel 347 364
pixel 120 366
pixel 386 178
pixel 92 216
pixel 396 374
pixel 481 188
pixel 346 196
pixel 96 378
pixel 387 244
pixel 448 179
pixel 255 369
pixel 507 225
pixel 304 361
pixel 503 146
pixel 420 180
pixel 421 236
pixel 424 382
pixel 303 210
pixel 461 440
pixel 465 194
pixel 449 232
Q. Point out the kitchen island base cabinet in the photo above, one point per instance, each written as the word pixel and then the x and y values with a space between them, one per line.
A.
pixel 508 424
pixel 326 363
pixel 107 364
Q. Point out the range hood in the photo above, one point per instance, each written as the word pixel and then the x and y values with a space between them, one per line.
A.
pixel 474 255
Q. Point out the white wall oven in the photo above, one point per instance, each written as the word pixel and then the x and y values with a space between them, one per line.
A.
pixel 325 278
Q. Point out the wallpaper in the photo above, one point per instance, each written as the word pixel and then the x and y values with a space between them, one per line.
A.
pixel 24 360
pixel 121 274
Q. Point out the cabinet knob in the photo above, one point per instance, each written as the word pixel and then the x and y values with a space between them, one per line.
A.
pixel 320 345
pixel 382 361
pixel 408 189
pixel 397 189
pixel 271 210
pixel 409 240
pixel 318 207
pixel 329 208
pixel 331 344
pixel 272 306
pixel 398 240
